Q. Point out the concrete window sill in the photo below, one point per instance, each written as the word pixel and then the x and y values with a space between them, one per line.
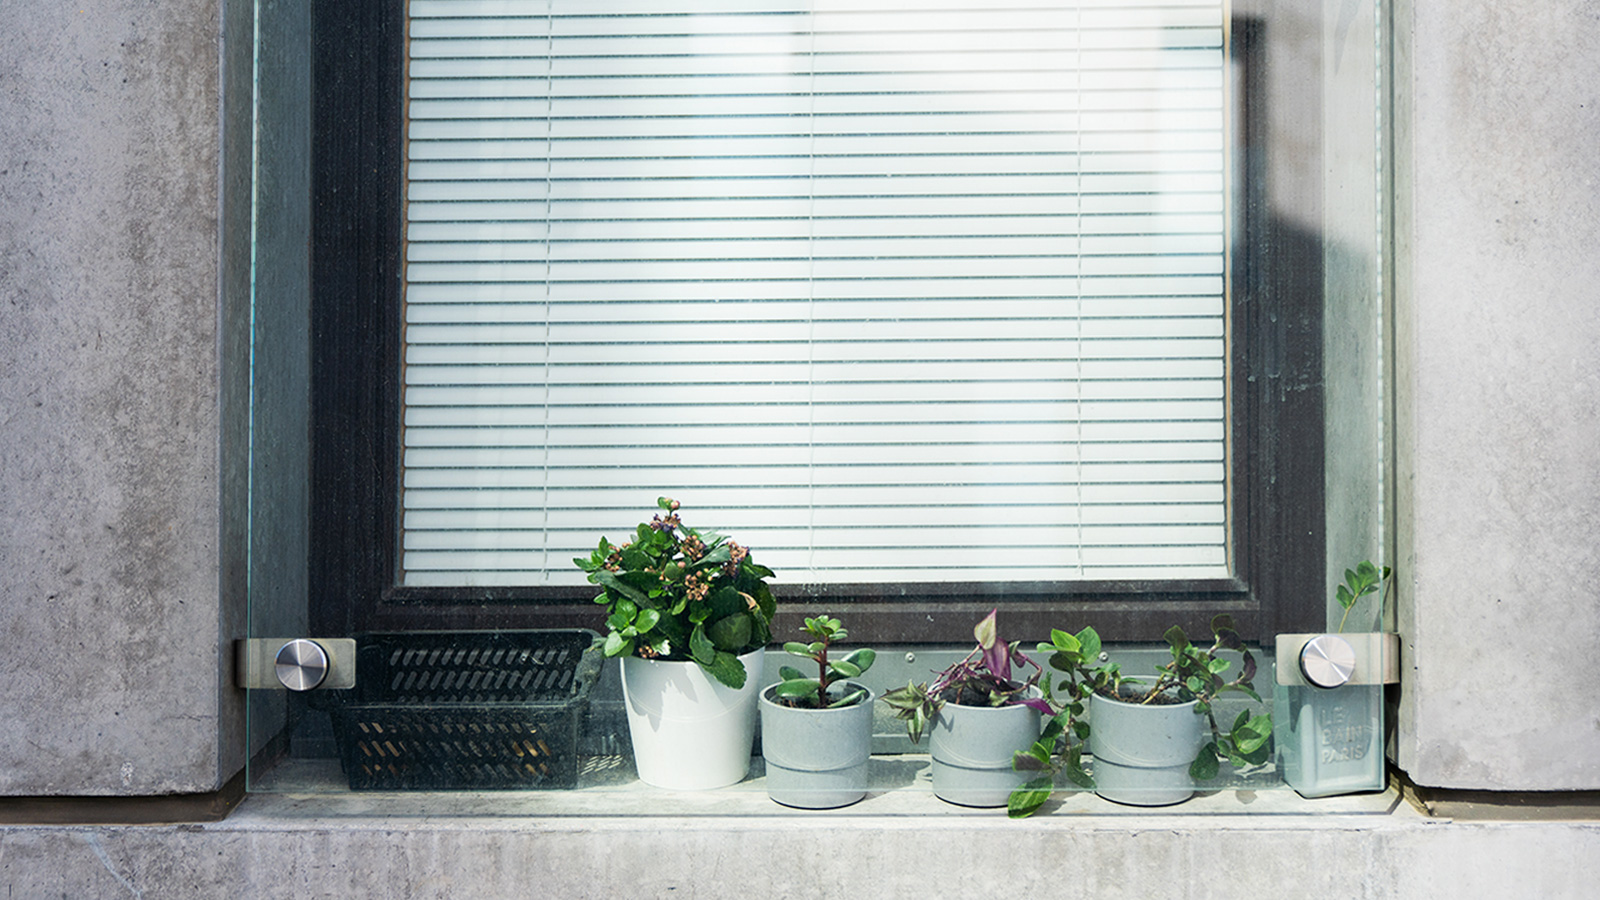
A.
pixel 900 789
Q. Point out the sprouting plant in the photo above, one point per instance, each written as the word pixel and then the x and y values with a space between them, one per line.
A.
pixel 1364 579
pixel 982 678
pixel 798 690
pixel 1060 745
pixel 1195 673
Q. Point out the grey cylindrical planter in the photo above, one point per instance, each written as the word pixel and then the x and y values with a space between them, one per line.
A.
pixel 972 748
pixel 1142 753
pixel 816 758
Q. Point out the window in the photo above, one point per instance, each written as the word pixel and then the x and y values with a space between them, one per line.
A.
pixel 893 381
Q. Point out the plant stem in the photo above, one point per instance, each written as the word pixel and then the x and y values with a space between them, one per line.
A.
pixel 822 676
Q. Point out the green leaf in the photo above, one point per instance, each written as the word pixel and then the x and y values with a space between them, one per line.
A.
pixel 647 619
pixel 1258 755
pixel 797 689
pixel 700 647
pixel 725 601
pixel 1252 734
pixel 917 725
pixel 1063 642
pixel 732 633
pixel 862 658
pixel 845 669
pixel 850 699
pixel 1026 800
pixel 1089 644
pixel 1177 639
pixel 608 579
pixel 716 556
pixel 1204 767
pixel 617 645
pixel 797 648
pixel 1072 767
pixel 1079 776
pixel 726 668
pixel 1055 727
pixel 1033 759
pixel 985 630
pixel 906 698
pixel 1064 662
pixel 790 673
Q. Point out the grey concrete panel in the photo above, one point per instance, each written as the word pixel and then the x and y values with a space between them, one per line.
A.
pixel 801 856
pixel 108 397
pixel 1499 393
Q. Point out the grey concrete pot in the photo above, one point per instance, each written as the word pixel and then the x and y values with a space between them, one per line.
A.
pixel 1142 753
pixel 816 758
pixel 972 748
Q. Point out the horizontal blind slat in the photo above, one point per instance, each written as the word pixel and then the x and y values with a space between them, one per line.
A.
pixel 900 290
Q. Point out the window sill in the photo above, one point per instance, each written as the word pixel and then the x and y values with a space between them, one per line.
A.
pixel 900 789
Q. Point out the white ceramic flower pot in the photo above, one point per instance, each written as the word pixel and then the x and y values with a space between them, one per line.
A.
pixel 690 732
pixel 1142 754
pixel 972 749
pixel 816 758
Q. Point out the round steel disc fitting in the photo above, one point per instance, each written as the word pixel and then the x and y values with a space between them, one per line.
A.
pixel 1327 661
pixel 301 665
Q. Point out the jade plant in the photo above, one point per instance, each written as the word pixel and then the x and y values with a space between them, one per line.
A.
pixel 983 678
pixel 1195 673
pixel 1364 579
pixel 804 692
pixel 678 593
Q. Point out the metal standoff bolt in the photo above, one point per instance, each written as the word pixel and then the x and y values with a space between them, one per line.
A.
pixel 301 664
pixel 1327 661
pixel 296 663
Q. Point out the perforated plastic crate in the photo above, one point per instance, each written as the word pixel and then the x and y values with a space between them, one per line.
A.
pixel 473 710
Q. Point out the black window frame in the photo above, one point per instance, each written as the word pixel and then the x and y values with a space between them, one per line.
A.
pixel 1276 510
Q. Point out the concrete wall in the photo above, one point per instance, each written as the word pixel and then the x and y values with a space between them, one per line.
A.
pixel 1499 393
pixel 121 540
pixel 111 563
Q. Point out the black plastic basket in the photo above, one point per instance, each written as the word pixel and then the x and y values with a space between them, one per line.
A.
pixel 473 710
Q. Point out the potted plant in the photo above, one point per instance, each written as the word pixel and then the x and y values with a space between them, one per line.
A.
pixel 1328 700
pixel 688 612
pixel 1149 743
pixel 1061 745
pixel 979 716
pixel 816 733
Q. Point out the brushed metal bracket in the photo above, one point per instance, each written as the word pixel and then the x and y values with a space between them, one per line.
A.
pixel 296 664
pixel 1334 660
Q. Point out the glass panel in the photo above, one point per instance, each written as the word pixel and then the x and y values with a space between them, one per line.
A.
pixel 279 354
pixel 465 685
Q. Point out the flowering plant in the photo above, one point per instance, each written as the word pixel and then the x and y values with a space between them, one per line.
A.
pixel 677 593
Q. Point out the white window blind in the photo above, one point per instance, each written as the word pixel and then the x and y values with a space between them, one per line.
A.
pixel 890 291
